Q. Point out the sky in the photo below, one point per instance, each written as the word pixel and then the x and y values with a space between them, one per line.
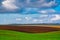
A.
pixel 29 11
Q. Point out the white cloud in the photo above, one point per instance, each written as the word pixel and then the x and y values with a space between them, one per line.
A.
pixel 18 19
pixel 43 11
pixel 43 3
pixel 27 18
pixel 47 11
pixel 35 20
pixel 9 4
pixel 57 17
pixel 51 3
pixel 41 21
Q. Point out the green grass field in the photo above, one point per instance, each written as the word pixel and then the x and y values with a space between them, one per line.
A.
pixel 13 35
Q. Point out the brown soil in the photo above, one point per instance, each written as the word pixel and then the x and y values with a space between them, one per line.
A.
pixel 30 29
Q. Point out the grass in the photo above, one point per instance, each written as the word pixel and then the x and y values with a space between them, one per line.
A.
pixel 13 35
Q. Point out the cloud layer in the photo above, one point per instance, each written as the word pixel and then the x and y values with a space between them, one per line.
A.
pixel 29 19
pixel 29 11
pixel 15 5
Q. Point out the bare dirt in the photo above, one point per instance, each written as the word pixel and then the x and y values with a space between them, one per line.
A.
pixel 29 29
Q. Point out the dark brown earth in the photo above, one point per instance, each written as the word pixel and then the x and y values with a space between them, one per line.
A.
pixel 29 29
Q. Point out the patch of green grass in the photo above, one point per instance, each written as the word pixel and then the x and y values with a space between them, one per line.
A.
pixel 13 35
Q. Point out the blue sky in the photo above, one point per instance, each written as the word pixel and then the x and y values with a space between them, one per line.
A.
pixel 29 11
